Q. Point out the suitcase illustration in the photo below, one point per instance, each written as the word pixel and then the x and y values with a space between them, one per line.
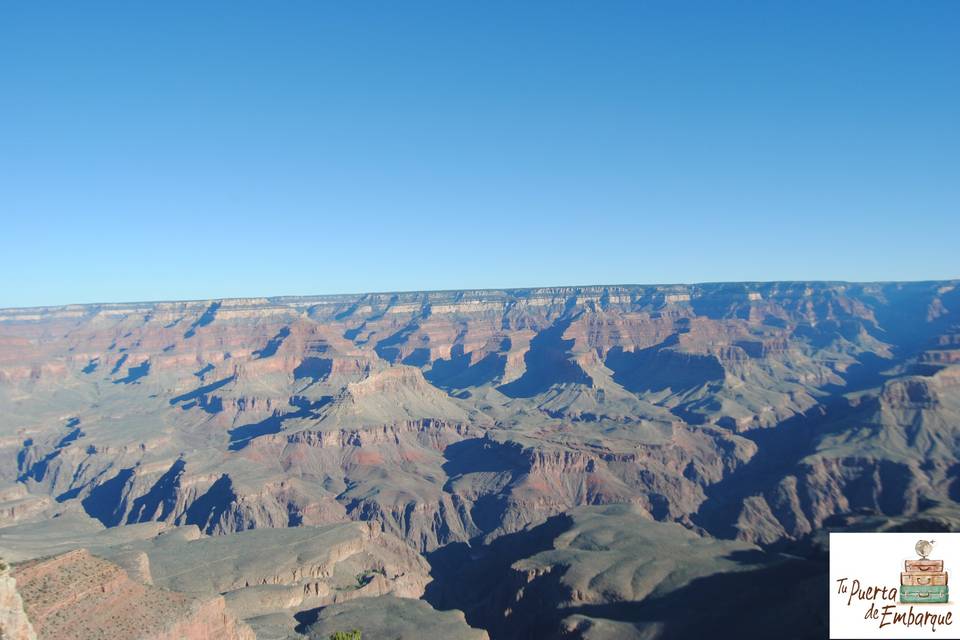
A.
pixel 924 595
pixel 930 579
pixel 923 566
pixel 924 581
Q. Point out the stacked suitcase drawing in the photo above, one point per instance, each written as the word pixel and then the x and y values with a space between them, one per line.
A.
pixel 923 582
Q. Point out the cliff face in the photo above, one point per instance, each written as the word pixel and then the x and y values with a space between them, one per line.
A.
pixel 201 586
pixel 452 415
pixel 751 411
pixel 209 621
pixel 14 624
pixel 77 595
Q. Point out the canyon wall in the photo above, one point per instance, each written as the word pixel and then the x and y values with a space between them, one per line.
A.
pixel 757 412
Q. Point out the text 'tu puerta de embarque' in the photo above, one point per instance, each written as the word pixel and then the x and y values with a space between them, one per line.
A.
pixel 888 614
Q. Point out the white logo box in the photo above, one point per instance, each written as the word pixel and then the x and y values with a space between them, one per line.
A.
pixel 862 565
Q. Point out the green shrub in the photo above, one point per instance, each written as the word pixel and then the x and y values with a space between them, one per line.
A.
pixel 346 635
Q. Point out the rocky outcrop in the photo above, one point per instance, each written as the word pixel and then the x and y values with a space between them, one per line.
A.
pixel 758 411
pixel 77 595
pixel 14 624
pixel 210 620
pixel 388 617
pixel 270 571
pixel 611 572
pixel 17 504
pixel 886 451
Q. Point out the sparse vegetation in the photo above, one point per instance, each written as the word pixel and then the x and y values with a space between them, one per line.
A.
pixel 346 635
pixel 754 417
pixel 363 579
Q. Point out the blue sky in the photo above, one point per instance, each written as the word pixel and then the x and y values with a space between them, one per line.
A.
pixel 168 150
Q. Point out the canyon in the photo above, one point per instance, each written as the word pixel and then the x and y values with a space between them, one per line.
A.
pixel 569 462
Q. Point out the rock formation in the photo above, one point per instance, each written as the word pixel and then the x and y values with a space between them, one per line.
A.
pixel 757 412
pixel 388 617
pixel 14 624
pixel 77 595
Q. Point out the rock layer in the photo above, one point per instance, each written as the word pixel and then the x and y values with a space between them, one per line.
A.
pixel 758 412
pixel 77 595
pixel 14 624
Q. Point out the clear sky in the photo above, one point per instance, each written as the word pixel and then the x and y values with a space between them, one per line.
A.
pixel 168 150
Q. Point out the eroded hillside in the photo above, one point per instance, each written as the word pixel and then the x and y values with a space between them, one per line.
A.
pixel 447 421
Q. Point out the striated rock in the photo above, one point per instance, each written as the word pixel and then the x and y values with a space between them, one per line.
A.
pixel 311 559
pixel 77 595
pixel 310 449
pixel 17 504
pixel 14 624
pixel 283 412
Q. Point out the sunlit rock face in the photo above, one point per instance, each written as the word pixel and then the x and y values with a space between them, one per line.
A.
pixel 752 412
pixel 14 623
pixel 77 595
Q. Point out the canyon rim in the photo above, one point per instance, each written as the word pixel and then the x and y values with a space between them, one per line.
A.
pixel 570 462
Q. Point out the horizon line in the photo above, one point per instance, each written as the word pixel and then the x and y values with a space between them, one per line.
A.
pixel 478 289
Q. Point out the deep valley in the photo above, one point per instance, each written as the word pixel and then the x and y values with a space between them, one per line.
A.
pixel 579 462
